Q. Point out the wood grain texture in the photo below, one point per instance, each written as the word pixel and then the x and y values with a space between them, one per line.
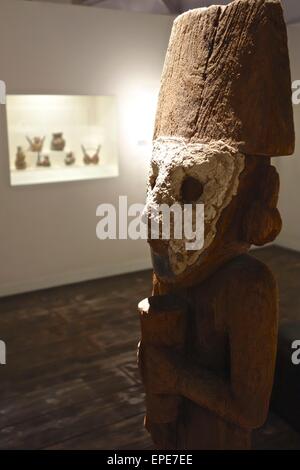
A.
pixel 163 325
pixel 227 77
pixel 228 379
pixel 227 373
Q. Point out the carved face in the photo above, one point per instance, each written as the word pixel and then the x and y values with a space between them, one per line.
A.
pixel 192 173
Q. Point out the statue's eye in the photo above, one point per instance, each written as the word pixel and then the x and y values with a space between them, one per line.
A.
pixel 191 190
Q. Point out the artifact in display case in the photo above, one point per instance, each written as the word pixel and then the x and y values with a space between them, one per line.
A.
pixel 58 142
pixel 20 161
pixel 36 144
pixel 88 159
pixel 70 158
pixel 43 160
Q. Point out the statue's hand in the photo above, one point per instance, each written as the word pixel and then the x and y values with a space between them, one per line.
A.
pixel 161 370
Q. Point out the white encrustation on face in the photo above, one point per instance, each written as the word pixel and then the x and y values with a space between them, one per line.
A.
pixel 215 166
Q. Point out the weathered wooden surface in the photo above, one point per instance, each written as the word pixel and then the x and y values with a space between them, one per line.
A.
pixel 227 375
pixel 163 325
pixel 226 81
pixel 227 76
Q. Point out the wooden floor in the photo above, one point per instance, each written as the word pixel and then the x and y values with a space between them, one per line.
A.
pixel 71 380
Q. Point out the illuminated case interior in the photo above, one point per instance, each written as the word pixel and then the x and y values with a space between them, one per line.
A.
pixel 85 126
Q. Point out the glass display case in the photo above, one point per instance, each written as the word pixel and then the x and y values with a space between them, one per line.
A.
pixel 61 138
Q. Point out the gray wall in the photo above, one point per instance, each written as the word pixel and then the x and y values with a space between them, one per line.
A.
pixel 47 232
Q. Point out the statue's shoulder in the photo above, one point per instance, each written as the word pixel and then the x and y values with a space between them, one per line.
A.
pixel 247 267
pixel 247 284
pixel 245 277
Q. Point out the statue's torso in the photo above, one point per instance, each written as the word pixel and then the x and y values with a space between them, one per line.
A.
pixel 208 347
pixel 213 307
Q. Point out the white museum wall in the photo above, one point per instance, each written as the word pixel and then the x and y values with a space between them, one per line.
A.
pixel 48 231
pixel 289 167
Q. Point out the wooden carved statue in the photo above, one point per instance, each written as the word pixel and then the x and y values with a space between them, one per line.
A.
pixel 209 330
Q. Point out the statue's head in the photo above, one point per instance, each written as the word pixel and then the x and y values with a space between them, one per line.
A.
pixel 219 120
pixel 239 195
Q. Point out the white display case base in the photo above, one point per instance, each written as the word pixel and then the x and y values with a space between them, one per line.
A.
pixel 88 128
pixel 41 175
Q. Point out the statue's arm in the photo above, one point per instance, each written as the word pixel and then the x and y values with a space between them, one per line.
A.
pixel 252 325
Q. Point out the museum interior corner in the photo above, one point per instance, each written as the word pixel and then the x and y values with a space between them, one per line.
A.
pixel 150 235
